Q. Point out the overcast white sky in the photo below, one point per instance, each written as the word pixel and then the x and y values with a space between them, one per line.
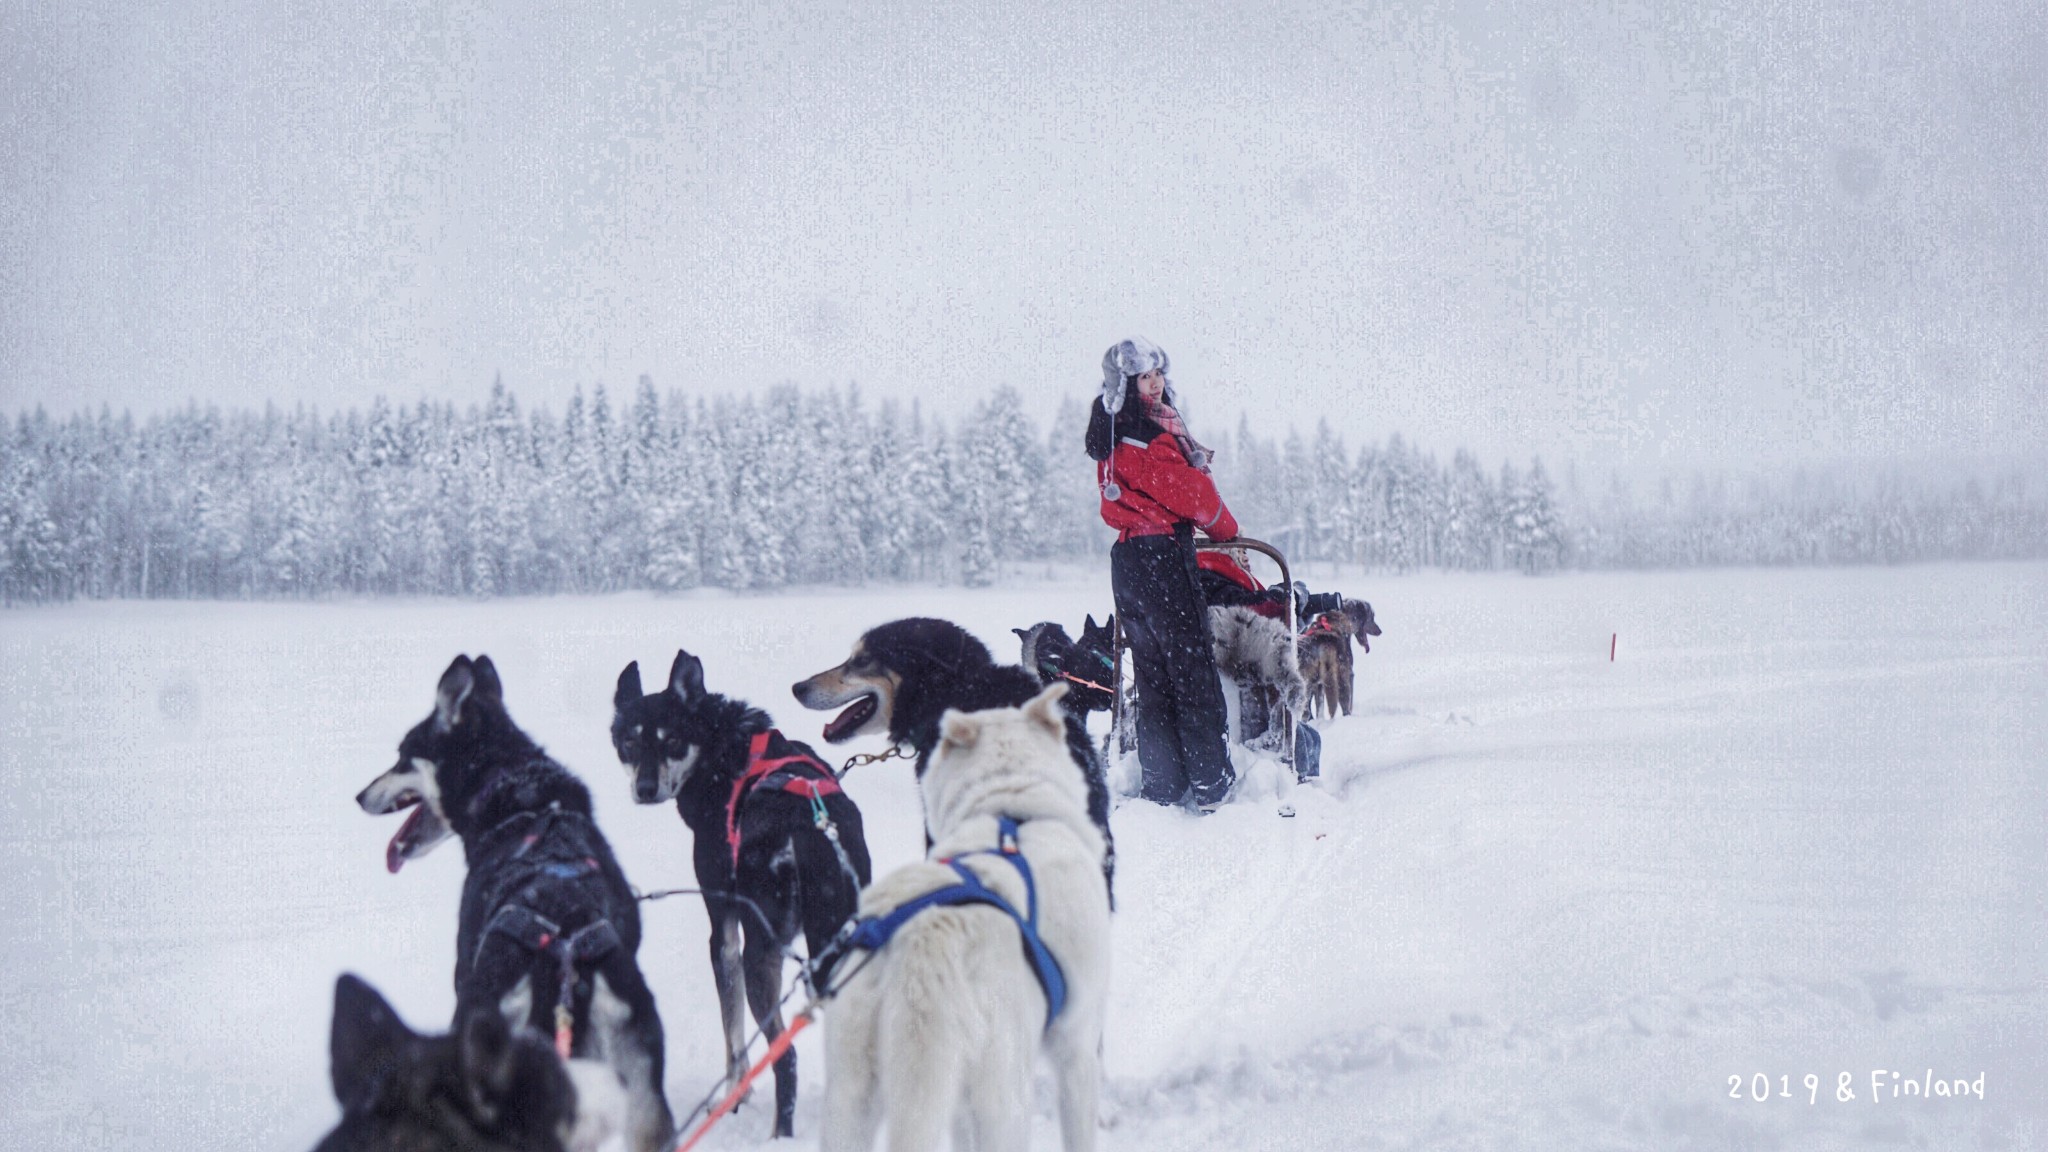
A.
pixel 1656 234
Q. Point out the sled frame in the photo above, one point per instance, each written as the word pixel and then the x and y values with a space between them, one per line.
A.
pixel 1116 706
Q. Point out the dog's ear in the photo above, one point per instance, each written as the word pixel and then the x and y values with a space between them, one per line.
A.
pixel 1022 633
pixel 959 729
pixel 365 1043
pixel 452 692
pixel 686 676
pixel 488 686
pixel 629 686
pixel 1045 711
pixel 489 1062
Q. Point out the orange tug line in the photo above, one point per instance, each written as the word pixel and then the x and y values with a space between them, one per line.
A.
pixel 732 1099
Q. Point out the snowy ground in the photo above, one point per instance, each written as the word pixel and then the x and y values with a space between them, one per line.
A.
pixel 1539 899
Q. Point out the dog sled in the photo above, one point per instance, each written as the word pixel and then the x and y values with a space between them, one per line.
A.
pixel 1282 725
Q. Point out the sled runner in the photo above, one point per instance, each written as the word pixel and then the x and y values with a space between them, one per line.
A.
pixel 1122 737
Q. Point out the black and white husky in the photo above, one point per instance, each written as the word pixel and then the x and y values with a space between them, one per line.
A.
pixel 487 1087
pixel 778 847
pixel 549 928
pixel 1086 666
pixel 904 675
pixel 1255 653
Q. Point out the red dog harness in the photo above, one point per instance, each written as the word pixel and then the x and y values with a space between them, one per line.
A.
pixel 814 784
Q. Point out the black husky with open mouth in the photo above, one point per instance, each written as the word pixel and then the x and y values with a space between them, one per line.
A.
pixel 549 929
pixel 778 847
pixel 903 676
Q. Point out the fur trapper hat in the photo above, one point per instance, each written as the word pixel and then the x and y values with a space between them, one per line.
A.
pixel 1133 357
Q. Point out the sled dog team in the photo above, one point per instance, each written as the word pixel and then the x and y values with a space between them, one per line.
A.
pixel 945 977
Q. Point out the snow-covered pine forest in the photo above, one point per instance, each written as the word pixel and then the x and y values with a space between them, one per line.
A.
pixel 821 487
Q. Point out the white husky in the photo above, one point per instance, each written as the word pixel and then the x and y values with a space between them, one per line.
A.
pixel 938 1030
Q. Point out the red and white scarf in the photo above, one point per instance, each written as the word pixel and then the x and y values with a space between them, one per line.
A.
pixel 1162 414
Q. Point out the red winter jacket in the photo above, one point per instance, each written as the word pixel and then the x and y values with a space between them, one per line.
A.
pixel 1160 489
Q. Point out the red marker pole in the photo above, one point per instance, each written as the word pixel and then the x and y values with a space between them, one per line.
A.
pixel 1611 638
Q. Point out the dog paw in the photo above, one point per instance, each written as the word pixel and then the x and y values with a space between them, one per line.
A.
pixel 732 1081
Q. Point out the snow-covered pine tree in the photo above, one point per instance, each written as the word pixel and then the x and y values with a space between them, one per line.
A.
pixel 1510 512
pixel 969 482
pixel 831 486
pixel 1407 527
pixel 1254 486
pixel 289 561
pixel 1068 502
pixel 1331 513
pixel 674 479
pixel 628 522
pixel 756 518
pixel 13 506
pixel 886 518
pixel 36 565
pixel 1458 538
pixel 1434 503
pixel 1296 497
pixel 929 510
pixel 1366 493
pixel 578 487
pixel 381 473
pixel 1542 539
pixel 1006 445
pixel 505 495
pixel 724 559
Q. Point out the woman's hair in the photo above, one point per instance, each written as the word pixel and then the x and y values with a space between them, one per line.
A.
pixel 1132 417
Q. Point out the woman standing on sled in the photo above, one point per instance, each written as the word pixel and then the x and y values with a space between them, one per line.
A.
pixel 1156 491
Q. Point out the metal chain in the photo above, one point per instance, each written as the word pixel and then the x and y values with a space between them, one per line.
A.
pixel 894 752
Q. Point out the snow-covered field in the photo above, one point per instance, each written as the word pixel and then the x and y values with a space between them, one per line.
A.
pixel 1540 899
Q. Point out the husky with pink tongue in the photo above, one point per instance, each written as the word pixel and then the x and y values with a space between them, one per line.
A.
pixel 549 930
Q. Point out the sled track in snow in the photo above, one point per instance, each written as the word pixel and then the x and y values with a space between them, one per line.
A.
pixel 1434 1086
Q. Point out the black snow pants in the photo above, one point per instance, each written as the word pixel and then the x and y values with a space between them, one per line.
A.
pixel 1182 743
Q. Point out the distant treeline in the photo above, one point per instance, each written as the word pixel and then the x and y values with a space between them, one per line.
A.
pixel 1398 509
pixel 821 487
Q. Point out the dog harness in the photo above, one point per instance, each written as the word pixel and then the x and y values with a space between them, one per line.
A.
pixel 798 775
pixel 875 932
pixel 536 933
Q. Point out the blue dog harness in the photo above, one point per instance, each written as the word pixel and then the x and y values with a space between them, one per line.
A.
pixel 874 932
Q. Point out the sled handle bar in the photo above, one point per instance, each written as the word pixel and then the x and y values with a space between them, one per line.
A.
pixel 1265 549
pixel 1116 705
